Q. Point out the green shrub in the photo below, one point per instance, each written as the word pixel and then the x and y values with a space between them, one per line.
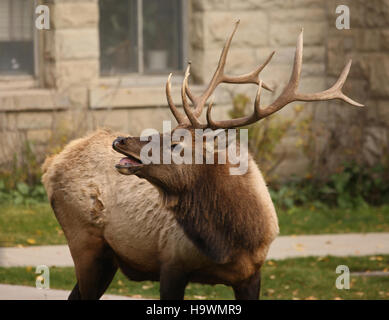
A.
pixel 351 187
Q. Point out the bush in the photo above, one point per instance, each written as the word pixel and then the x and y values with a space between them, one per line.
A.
pixel 353 186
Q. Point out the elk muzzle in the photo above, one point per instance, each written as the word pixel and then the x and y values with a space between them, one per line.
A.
pixel 130 147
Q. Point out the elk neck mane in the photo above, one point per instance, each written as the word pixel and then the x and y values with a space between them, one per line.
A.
pixel 222 214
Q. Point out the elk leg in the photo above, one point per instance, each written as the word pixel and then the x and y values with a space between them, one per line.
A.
pixel 248 289
pixel 172 284
pixel 95 268
pixel 75 294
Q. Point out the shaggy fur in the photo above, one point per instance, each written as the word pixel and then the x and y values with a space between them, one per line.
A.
pixel 217 229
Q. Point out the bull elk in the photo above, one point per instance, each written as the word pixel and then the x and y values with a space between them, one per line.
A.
pixel 173 223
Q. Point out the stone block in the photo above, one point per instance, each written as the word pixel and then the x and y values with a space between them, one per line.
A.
pixel 197 37
pixel 34 120
pixel 77 44
pixel 379 75
pixel 39 136
pixel 209 5
pixel 252 31
pixel 298 15
pixel 383 110
pixel 286 34
pixel 75 73
pixel 114 119
pixel 275 4
pixel 385 39
pixel 79 14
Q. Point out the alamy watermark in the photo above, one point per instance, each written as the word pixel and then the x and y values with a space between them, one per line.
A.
pixel 343 20
pixel 42 22
pixel 178 147
pixel 343 281
pixel 43 278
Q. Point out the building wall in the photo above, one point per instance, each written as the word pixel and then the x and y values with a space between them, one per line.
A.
pixel 71 94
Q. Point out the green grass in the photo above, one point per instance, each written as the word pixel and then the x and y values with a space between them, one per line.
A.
pixel 312 220
pixel 29 225
pixel 36 224
pixel 301 278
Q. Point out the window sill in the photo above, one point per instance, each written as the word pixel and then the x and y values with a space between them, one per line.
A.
pixel 137 80
pixel 12 82
pixel 137 91
pixel 32 100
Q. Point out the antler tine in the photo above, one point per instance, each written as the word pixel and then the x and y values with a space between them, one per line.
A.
pixel 335 92
pixel 290 94
pixel 219 77
pixel 233 123
pixel 192 118
pixel 251 77
pixel 177 114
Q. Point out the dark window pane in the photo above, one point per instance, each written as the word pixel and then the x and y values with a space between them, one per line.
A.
pixel 118 40
pixel 16 37
pixel 16 58
pixel 162 25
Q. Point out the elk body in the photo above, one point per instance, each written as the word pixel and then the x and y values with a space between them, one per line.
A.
pixel 168 222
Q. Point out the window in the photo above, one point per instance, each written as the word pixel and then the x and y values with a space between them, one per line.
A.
pixel 16 37
pixel 141 36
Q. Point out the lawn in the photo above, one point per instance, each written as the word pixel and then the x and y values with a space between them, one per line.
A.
pixel 301 278
pixel 36 224
pixel 29 225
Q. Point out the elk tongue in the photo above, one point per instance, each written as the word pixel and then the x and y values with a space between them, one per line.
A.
pixel 128 162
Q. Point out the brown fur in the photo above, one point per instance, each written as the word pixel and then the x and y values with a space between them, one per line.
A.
pixel 213 228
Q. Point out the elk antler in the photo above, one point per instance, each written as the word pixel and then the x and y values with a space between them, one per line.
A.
pixel 218 78
pixel 288 95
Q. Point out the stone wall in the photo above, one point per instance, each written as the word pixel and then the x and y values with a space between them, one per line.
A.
pixel 265 26
pixel 71 94
pixel 363 133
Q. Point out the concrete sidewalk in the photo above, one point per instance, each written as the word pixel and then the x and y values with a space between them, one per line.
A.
pixel 282 248
pixel 12 292
pixel 352 244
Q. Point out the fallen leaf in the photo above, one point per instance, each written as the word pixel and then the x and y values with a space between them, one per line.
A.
pixel 147 286
pixel 270 291
pixel 200 297
pixel 31 241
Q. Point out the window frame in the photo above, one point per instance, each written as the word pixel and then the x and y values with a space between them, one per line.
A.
pixel 26 79
pixel 140 77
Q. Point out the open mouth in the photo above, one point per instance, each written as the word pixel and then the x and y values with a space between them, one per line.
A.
pixel 128 161
pixel 129 164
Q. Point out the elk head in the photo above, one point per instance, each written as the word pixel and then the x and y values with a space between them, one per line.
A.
pixel 176 177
